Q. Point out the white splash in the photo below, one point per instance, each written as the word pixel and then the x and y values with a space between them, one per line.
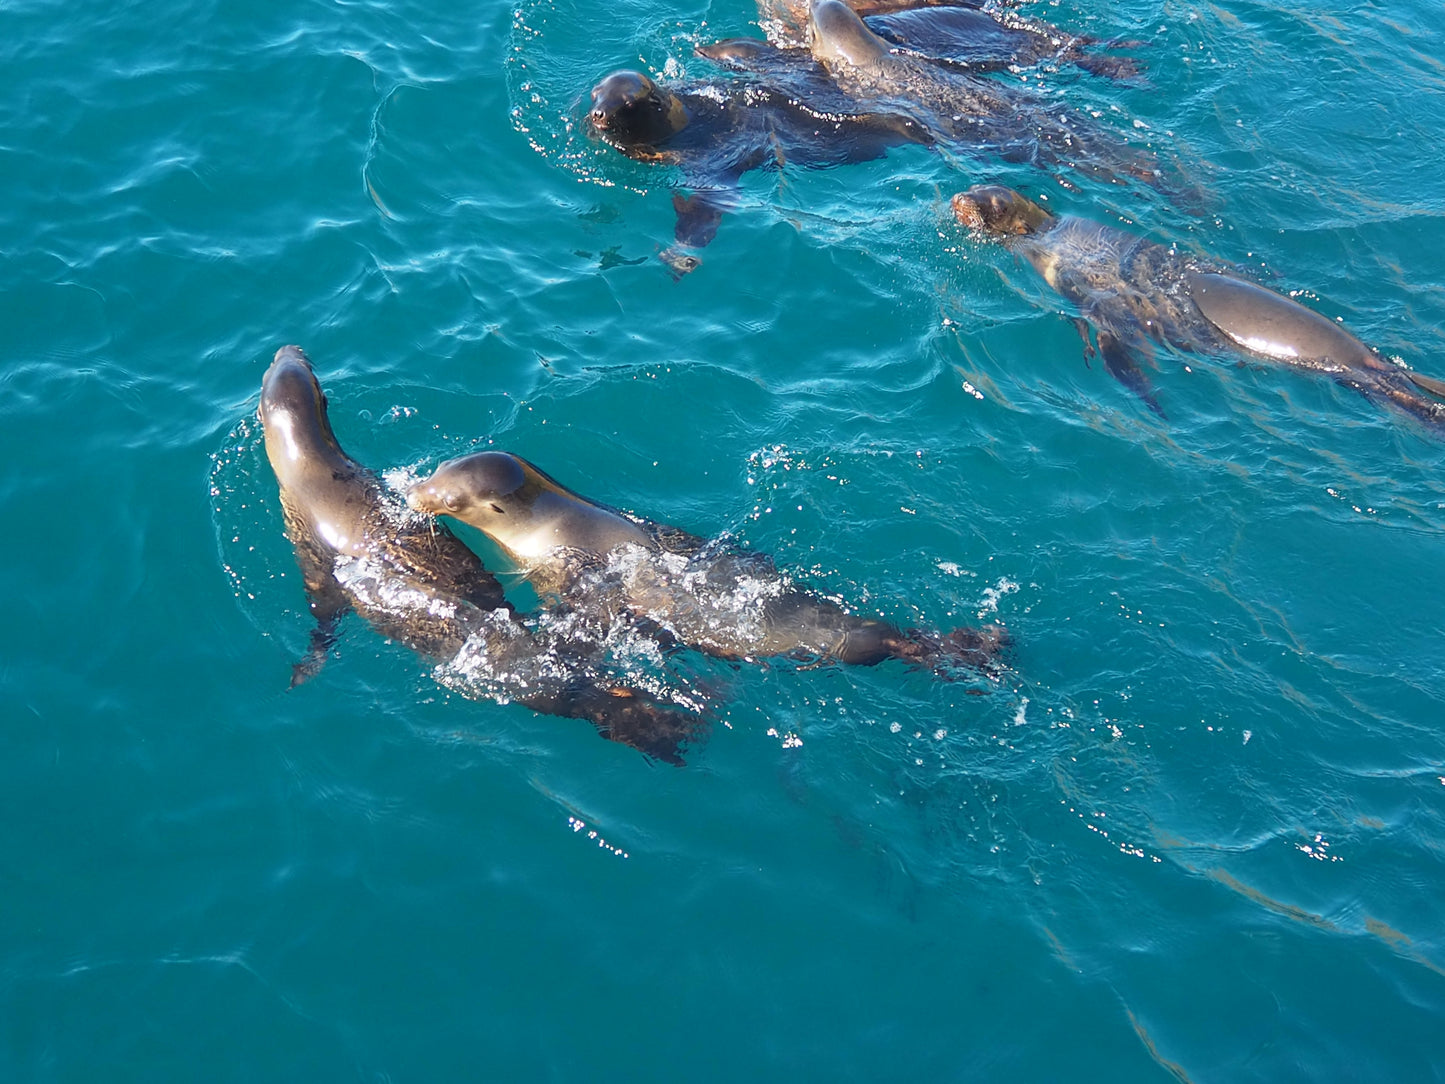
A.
pixel 991 595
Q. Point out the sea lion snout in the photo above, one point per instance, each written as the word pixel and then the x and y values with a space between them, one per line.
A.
pixel 423 498
pixel 478 483
pixel 435 496
pixel 967 211
pixel 619 94
pixel 292 353
pixel 999 210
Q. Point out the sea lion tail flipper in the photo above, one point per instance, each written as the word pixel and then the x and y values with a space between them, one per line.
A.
pixel 1121 69
pixel 628 716
pixel 740 54
pixel 1103 64
pixel 1399 391
pixel 980 649
pixel 867 8
pixel 877 132
pixel 323 639
pixel 1124 367
pixel 1428 384
pixel 1082 327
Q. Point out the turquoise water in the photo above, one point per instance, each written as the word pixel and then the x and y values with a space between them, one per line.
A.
pixel 1195 833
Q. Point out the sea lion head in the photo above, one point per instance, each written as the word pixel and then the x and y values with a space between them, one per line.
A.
pixel 525 511
pixel 629 110
pixel 1000 211
pixel 838 36
pixel 479 489
pixel 293 415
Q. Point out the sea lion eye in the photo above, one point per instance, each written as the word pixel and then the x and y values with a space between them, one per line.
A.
pixel 451 502
pixel 497 508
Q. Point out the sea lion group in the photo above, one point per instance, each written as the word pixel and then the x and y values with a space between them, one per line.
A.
pixel 835 82
pixel 847 79
pixel 849 92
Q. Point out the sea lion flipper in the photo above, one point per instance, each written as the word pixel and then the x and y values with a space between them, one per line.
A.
pixel 1398 389
pixel 981 649
pixel 627 716
pixel 698 216
pixel 323 639
pixel 865 8
pixel 1104 62
pixel 1082 327
pixel 882 130
pixel 1124 367
pixel 1428 384
pixel 740 54
pixel 328 605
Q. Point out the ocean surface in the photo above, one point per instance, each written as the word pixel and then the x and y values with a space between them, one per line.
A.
pixel 1195 831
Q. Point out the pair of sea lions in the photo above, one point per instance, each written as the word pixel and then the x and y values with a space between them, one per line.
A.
pixel 706 595
pixel 361 550
pixel 1134 293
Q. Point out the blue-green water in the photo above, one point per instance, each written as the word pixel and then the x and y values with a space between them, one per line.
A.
pixel 1197 832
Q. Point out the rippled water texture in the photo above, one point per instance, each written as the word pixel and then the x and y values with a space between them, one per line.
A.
pixel 1195 832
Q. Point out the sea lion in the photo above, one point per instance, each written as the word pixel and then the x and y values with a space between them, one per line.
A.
pixel 975 114
pixel 714 132
pixel 705 595
pixel 360 549
pixel 1134 293
pixel 975 35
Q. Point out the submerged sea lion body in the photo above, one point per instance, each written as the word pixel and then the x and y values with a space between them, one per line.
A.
pixel 705 595
pixel 1135 293
pixel 361 550
pixel 974 113
pixel 714 132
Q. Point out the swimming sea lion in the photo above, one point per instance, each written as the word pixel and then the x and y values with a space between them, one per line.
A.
pixel 979 36
pixel 717 131
pixel 973 113
pixel 1134 293
pixel 706 595
pixel 360 549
